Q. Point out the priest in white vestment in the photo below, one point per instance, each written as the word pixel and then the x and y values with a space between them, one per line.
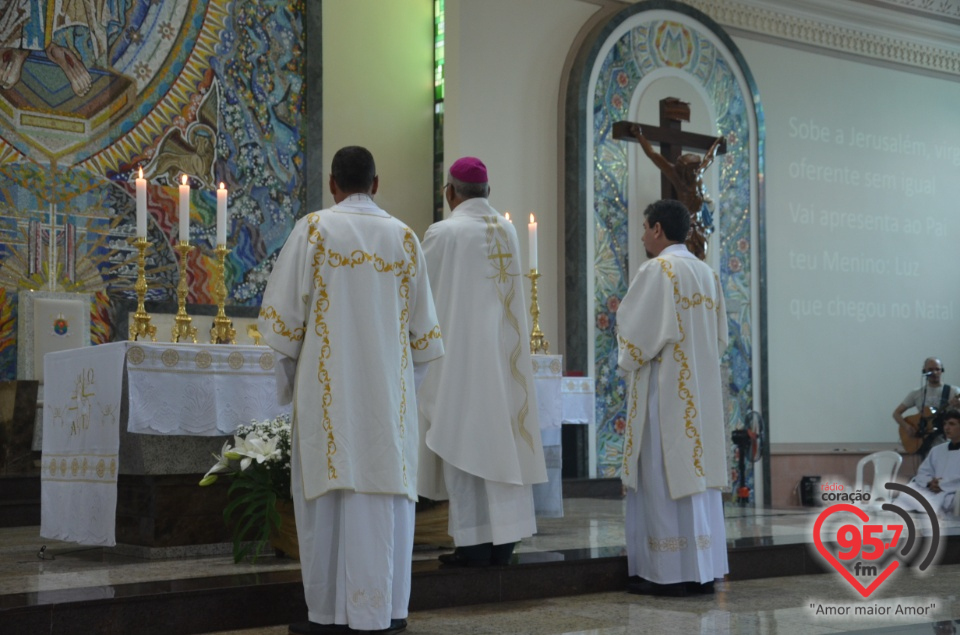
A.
pixel 348 308
pixel 478 415
pixel 938 477
pixel 672 330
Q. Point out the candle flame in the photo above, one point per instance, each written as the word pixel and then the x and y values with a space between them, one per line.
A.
pixel 507 216
pixel 183 179
pixel 532 219
pixel 221 186
pixel 141 172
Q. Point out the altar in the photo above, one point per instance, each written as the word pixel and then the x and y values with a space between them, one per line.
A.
pixel 560 401
pixel 117 424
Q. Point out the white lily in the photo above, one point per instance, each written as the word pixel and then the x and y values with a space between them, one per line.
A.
pixel 222 464
pixel 256 449
pixel 234 454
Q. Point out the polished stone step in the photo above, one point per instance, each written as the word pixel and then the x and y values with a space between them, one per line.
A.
pixel 245 600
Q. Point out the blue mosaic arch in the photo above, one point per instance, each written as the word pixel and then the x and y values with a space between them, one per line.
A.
pixel 641 41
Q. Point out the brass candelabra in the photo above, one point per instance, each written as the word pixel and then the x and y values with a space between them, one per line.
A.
pixel 182 330
pixel 538 343
pixel 222 331
pixel 141 319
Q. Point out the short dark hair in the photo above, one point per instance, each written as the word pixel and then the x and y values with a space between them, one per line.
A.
pixel 673 216
pixel 353 169
pixel 951 413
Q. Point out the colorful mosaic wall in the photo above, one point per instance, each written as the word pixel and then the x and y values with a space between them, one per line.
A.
pixel 208 88
pixel 643 49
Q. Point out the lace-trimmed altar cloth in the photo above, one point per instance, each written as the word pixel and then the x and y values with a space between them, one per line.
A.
pixel 171 389
pixel 199 389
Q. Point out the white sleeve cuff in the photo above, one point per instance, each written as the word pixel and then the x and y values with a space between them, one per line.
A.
pixel 286 372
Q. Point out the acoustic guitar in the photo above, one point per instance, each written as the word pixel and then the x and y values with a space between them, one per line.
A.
pixel 913 439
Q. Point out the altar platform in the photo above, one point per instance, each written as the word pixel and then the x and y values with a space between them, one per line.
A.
pixel 99 590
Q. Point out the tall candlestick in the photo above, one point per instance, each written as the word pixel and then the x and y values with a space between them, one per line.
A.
pixel 142 328
pixel 222 331
pixel 532 232
pixel 141 206
pixel 184 209
pixel 222 215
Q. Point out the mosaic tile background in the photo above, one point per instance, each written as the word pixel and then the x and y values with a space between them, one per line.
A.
pixel 648 46
pixel 209 88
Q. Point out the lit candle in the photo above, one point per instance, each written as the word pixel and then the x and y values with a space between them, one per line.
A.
pixel 141 206
pixel 222 215
pixel 184 209
pixel 507 216
pixel 532 231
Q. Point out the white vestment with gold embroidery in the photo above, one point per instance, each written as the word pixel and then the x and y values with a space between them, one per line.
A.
pixel 674 312
pixel 349 300
pixel 477 404
pixel 672 329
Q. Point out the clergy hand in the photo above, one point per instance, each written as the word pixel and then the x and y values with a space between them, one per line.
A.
pixel 934 485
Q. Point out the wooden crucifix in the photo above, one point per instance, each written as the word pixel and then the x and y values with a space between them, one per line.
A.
pixel 681 175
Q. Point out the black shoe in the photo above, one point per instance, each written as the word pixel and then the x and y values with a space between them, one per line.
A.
pixel 396 626
pixel 645 587
pixel 695 588
pixel 501 555
pixel 458 559
pixel 312 628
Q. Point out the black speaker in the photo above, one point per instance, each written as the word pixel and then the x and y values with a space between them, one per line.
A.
pixel 809 488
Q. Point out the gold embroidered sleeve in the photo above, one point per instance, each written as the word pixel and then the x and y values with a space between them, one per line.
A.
pixel 632 350
pixel 279 327
pixel 423 342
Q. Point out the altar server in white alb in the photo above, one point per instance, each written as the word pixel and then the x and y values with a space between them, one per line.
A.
pixel 478 415
pixel 938 477
pixel 672 332
pixel 348 308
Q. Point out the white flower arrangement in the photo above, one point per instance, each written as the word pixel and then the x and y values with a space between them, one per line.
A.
pixel 259 464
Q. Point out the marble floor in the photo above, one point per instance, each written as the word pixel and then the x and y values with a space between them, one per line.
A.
pixel 592 523
pixel 824 603
pixel 777 606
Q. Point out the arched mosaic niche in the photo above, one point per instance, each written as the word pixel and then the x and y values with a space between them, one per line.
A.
pixel 610 67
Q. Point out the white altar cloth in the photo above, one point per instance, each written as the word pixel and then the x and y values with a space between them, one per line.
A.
pixel 78 493
pixel 171 389
pixel 560 400
pixel 199 389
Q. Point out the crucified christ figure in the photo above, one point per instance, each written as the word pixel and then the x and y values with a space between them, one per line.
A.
pixel 686 176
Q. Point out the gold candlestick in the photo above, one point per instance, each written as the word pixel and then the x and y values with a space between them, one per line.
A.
pixel 538 343
pixel 181 327
pixel 222 331
pixel 141 319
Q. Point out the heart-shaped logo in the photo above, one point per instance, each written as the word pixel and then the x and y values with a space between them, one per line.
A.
pixel 832 559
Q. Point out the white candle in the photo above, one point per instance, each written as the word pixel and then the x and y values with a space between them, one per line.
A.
pixel 532 231
pixel 222 215
pixel 141 206
pixel 184 209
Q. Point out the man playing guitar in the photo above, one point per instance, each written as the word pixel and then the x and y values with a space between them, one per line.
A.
pixel 921 431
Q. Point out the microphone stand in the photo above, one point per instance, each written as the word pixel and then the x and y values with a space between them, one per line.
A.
pixel 922 424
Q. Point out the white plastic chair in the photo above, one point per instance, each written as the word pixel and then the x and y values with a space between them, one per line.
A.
pixel 886 465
